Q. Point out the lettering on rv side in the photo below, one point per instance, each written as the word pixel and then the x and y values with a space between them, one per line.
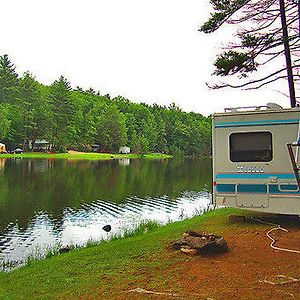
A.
pixel 249 169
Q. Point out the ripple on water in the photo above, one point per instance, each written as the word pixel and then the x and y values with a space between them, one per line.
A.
pixel 79 226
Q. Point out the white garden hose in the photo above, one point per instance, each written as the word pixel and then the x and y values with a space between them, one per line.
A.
pixel 278 227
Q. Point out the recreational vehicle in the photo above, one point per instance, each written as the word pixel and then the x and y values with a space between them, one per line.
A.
pixel 255 159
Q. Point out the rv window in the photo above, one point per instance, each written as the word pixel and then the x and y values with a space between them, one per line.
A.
pixel 251 147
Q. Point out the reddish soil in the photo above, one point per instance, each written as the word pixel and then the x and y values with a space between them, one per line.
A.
pixel 250 270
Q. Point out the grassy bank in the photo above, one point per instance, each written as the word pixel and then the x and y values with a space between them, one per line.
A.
pixel 85 156
pixel 105 270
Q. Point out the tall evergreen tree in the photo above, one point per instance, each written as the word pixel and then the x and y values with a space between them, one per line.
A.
pixel 5 121
pixel 29 103
pixel 77 119
pixel 111 127
pixel 62 113
pixel 8 81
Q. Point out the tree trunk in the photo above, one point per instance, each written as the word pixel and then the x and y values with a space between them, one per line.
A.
pixel 287 54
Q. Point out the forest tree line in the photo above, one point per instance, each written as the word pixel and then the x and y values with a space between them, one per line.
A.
pixel 76 118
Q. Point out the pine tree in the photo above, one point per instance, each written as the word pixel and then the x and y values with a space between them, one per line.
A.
pixel 8 81
pixel 267 32
pixel 62 113
pixel 110 125
pixel 29 104
pixel 5 122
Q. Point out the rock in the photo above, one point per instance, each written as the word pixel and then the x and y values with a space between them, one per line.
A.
pixel 192 233
pixel 107 228
pixel 188 250
pixel 64 249
pixel 200 243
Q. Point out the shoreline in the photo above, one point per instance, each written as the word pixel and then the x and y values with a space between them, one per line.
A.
pixel 127 267
pixel 86 156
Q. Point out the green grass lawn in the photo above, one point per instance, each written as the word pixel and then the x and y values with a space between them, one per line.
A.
pixel 86 156
pixel 104 270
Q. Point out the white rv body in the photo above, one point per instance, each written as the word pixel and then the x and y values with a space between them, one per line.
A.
pixel 252 168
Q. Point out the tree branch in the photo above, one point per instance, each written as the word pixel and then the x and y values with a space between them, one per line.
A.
pixel 223 85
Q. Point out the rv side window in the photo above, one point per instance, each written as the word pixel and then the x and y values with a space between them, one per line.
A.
pixel 251 147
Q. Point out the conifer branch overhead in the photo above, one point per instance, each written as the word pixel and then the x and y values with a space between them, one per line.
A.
pixel 260 41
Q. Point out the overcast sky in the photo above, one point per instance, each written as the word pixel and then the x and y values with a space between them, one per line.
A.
pixel 146 50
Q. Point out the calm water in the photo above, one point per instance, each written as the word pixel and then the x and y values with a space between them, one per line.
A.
pixel 50 203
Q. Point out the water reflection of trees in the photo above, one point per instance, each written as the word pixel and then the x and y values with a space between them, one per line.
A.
pixel 31 186
pixel 2 163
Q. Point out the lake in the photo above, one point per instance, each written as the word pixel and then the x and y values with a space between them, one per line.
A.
pixel 47 203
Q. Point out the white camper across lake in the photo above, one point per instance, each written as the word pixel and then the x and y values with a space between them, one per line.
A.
pixel 255 159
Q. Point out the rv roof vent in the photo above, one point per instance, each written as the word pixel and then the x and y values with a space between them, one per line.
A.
pixel 269 106
pixel 273 106
pixel 244 108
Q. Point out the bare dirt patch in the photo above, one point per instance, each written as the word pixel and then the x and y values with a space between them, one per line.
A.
pixel 250 270
pixel 72 152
